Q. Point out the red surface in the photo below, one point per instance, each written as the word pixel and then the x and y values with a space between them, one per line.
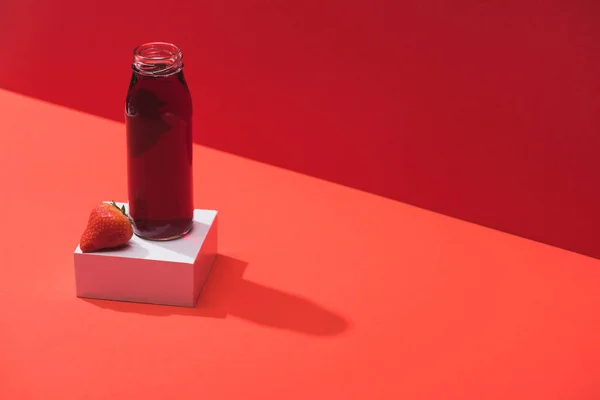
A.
pixel 321 291
pixel 483 110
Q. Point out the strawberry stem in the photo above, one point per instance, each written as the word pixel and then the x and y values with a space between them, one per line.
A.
pixel 122 209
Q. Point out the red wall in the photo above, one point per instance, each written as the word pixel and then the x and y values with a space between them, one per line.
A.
pixel 484 110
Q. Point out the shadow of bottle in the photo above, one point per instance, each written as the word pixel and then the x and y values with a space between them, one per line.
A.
pixel 226 293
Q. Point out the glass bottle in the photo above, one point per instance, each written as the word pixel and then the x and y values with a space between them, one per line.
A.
pixel 159 143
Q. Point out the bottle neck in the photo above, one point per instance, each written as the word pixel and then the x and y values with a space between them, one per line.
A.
pixel 157 59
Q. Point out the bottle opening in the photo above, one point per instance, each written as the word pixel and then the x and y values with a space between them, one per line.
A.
pixel 157 59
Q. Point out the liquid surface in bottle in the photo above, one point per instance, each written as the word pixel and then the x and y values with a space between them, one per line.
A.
pixel 159 143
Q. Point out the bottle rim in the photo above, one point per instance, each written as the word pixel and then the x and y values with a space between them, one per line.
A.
pixel 157 59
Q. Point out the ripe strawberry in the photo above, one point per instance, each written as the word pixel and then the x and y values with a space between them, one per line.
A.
pixel 109 226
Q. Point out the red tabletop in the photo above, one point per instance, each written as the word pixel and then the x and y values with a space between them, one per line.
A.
pixel 320 291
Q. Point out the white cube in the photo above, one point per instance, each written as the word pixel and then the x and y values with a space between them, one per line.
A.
pixel 160 272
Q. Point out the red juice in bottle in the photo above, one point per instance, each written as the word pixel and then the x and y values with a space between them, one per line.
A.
pixel 159 143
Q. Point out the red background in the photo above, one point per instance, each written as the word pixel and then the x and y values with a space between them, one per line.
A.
pixel 488 111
